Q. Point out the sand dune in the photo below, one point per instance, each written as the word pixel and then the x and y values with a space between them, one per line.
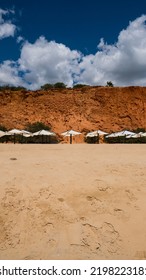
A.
pixel 72 201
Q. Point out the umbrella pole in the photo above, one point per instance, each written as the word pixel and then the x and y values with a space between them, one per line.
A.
pixel 14 139
pixel 70 138
pixel 98 140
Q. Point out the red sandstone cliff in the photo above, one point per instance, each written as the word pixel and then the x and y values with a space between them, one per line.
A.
pixel 89 108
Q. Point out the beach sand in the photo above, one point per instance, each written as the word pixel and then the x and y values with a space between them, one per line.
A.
pixel 72 201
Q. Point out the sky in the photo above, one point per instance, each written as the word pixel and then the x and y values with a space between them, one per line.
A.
pixel 80 41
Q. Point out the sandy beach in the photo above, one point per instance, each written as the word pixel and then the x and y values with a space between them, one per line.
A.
pixel 72 201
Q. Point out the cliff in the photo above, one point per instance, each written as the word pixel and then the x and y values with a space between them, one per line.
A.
pixel 84 109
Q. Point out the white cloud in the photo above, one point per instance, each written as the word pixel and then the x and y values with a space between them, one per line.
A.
pixel 7 28
pixel 20 39
pixel 123 63
pixel 48 62
pixel 9 74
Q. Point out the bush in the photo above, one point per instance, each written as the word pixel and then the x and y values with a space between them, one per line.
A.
pixel 59 85
pixel 3 128
pixel 137 130
pixel 109 84
pixel 52 86
pixel 80 86
pixel 47 87
pixel 34 127
pixel 44 139
pixel 12 88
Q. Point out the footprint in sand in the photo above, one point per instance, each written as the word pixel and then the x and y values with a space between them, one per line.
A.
pixel 10 200
pixel 96 205
pixel 61 199
pixel 120 213
pixel 12 191
pixel 11 206
pixel 55 206
pixel 130 195
pixel 99 240
pixel 13 158
pixel 8 236
pixel 45 192
pixel 101 185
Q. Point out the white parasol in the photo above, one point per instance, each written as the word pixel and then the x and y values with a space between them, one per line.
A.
pixel 70 133
pixel 120 133
pixel 96 133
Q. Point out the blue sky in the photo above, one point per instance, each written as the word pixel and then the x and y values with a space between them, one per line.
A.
pixel 73 42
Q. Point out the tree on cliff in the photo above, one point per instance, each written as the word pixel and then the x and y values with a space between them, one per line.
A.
pixel 59 85
pixel 51 86
pixel 3 128
pixel 12 88
pixel 36 126
pixel 109 84
pixel 47 86
pixel 80 86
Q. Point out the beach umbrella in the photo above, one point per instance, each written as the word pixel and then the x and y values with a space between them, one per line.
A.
pixel 120 133
pixel 143 134
pixel 70 133
pixel 2 133
pixel 14 132
pixel 43 132
pixel 26 133
pixel 130 136
pixel 137 135
pixel 96 133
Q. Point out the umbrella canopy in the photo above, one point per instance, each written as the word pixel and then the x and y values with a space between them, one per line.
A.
pixel 26 133
pixel 120 133
pixel 2 133
pixel 70 132
pixel 96 133
pixel 143 134
pixel 43 132
pixel 135 135
pixel 13 131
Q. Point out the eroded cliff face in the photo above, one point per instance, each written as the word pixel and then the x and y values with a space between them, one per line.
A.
pixel 89 108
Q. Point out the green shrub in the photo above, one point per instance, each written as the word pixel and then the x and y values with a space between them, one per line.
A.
pixel 3 128
pixel 59 85
pixel 109 84
pixel 80 86
pixel 52 86
pixel 137 130
pixel 12 88
pixel 47 87
pixel 34 127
